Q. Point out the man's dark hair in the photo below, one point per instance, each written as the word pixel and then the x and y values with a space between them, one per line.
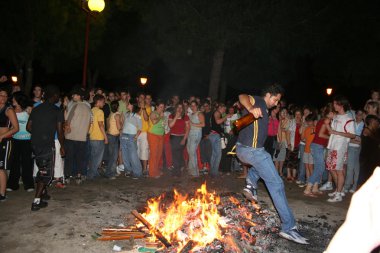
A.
pixel 370 118
pixel 273 90
pixel 114 106
pixel 343 101
pixel 97 98
pixel 51 91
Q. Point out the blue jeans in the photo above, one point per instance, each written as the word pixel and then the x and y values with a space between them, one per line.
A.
pixel 263 167
pixel 216 154
pixel 113 152
pixel 301 165
pixel 353 168
pixel 318 153
pixel 131 160
pixel 192 144
pixel 96 157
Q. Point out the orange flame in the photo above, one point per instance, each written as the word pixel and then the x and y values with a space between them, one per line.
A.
pixel 199 214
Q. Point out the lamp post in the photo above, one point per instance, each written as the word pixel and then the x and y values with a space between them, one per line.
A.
pixel 143 80
pixel 329 91
pixel 95 6
pixel 14 79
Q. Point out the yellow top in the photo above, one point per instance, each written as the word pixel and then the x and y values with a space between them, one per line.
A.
pixel 112 126
pixel 97 116
pixel 146 123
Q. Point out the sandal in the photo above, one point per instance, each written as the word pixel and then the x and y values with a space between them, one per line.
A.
pixel 311 195
pixel 317 193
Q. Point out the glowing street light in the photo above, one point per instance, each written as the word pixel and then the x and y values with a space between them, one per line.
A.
pixel 143 80
pixel 96 5
pixel 329 91
pixel 14 79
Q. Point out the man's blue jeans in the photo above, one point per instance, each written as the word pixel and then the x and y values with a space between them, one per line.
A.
pixel 192 144
pixel 318 153
pixel 96 157
pixel 215 141
pixel 263 167
pixel 353 168
pixel 131 160
pixel 113 152
pixel 301 165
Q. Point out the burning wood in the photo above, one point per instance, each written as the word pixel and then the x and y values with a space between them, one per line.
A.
pixel 202 223
pixel 151 228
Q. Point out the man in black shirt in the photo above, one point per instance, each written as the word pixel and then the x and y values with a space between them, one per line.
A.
pixel 44 121
pixel 250 150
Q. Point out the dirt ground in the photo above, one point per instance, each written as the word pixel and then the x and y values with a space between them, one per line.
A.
pixel 76 213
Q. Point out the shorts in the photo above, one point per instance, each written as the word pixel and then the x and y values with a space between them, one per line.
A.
pixel 308 158
pixel 59 162
pixel 143 146
pixel 336 159
pixel 5 152
pixel 45 160
pixel 280 155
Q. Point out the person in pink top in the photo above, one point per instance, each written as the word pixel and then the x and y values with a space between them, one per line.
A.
pixel 269 144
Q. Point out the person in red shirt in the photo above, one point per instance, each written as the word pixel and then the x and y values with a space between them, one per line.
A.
pixel 179 124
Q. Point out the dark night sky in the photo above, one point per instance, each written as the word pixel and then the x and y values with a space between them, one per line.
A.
pixel 304 45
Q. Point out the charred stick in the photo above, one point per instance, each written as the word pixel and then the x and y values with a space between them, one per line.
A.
pixel 154 230
pixel 115 238
pixel 188 247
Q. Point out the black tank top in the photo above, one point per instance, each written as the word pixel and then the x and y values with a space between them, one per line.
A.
pixel 4 120
pixel 215 126
pixel 207 128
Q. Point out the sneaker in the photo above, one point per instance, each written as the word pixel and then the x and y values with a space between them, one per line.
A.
pixel 294 235
pixel 299 182
pixel 36 207
pixel 345 190
pixel 9 190
pixel 30 190
pixel 302 185
pixel 3 198
pixel 332 194
pixel 352 191
pixel 326 187
pixel 127 173
pixel 250 193
pixel 336 198
pixel 112 178
pixel 170 168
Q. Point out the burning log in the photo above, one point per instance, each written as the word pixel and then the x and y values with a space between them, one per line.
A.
pixel 188 246
pixel 155 231
pixel 120 237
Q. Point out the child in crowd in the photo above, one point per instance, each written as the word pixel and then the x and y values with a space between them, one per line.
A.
pixel 308 137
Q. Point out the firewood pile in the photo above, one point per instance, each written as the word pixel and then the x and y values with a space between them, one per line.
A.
pixel 241 226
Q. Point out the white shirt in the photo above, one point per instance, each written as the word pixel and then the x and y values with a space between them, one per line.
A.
pixel 341 123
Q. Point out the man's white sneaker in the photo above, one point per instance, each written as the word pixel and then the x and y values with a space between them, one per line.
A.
pixel 326 187
pixel 332 194
pixel 336 198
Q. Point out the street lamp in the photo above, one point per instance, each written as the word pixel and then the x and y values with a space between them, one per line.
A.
pixel 143 80
pixel 329 91
pixel 14 79
pixel 94 6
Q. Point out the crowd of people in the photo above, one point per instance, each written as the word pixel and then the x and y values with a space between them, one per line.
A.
pixel 89 134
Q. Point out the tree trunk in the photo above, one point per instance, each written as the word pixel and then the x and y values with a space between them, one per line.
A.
pixel 216 72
